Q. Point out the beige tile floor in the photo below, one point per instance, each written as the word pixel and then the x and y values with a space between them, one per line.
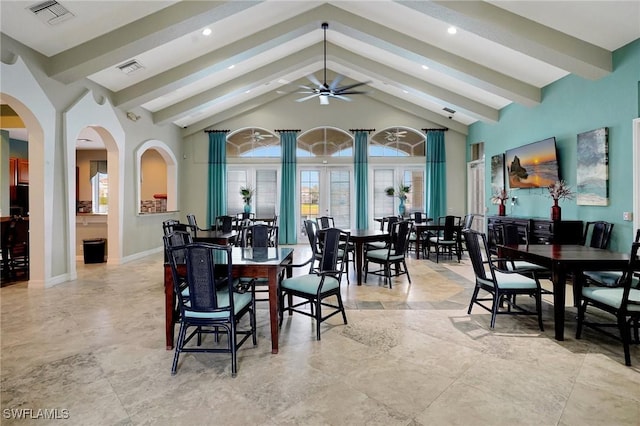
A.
pixel 93 349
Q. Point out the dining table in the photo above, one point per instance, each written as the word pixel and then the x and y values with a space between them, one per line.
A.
pixel 360 237
pixel 564 260
pixel 263 262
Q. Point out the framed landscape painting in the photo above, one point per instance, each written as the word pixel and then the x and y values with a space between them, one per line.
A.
pixel 592 183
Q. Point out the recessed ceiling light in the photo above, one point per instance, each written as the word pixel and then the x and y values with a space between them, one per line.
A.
pixel 248 91
pixel 452 30
pixel 405 91
pixel 230 67
pixel 206 32
pixel 424 67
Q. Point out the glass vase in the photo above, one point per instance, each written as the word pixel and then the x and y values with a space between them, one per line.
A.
pixel 501 209
pixel 401 207
pixel 556 211
pixel 247 208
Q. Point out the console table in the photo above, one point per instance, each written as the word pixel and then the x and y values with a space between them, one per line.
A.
pixel 539 230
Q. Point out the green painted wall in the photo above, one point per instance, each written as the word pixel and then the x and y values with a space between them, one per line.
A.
pixel 570 106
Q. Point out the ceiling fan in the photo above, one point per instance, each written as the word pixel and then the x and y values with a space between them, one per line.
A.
pixel 256 136
pixel 395 136
pixel 324 91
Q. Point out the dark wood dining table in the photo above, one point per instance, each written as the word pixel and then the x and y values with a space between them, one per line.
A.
pixel 563 260
pixel 360 237
pixel 215 237
pixel 247 262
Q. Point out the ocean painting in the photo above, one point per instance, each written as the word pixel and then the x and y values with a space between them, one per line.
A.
pixel 592 187
pixel 497 173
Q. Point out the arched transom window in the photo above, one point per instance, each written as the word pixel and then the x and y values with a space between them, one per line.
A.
pixel 252 143
pixel 325 142
pixel 397 142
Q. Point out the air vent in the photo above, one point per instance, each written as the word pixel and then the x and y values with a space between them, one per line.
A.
pixel 130 67
pixel 51 12
pixel 449 110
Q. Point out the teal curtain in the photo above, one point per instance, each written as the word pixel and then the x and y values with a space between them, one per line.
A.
pixel 217 182
pixel 361 172
pixel 287 221
pixel 436 188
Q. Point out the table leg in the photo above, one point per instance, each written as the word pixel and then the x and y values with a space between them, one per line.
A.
pixel 169 307
pixel 559 278
pixel 418 238
pixel 273 308
pixel 359 260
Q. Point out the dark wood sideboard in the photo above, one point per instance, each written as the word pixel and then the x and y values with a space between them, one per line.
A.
pixel 540 231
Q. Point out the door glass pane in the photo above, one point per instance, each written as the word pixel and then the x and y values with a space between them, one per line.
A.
pixel 235 180
pixel 382 203
pixel 340 198
pixel 309 196
pixel 266 188
pixel 415 199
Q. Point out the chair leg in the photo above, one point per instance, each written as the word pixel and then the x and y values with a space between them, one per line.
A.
pixel 494 309
pixel 581 310
pixel 318 318
pixel 473 299
pixel 233 348
pixel 344 314
pixel 404 263
pixel 625 334
pixel 539 309
pixel 179 344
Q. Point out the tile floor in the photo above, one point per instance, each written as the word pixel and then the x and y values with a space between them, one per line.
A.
pixel 93 349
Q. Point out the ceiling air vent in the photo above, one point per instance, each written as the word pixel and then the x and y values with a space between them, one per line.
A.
pixel 131 66
pixel 449 110
pixel 51 12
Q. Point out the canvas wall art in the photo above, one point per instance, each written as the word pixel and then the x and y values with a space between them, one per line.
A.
pixel 592 183
pixel 497 173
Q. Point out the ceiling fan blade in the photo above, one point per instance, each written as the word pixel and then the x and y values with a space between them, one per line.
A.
pixel 312 78
pixel 307 97
pixel 350 86
pixel 352 92
pixel 335 82
pixel 344 98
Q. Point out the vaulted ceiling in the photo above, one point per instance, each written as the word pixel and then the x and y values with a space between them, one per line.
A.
pixel 260 51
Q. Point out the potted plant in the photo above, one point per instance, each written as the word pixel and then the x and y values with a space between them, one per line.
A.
pixel 558 191
pixel 401 192
pixel 247 193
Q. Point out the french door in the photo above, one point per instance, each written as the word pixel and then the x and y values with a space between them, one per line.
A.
pixel 324 191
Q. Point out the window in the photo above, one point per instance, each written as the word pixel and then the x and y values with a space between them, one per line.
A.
pixel 325 142
pixel 253 143
pixel 99 187
pixel 235 180
pixel 266 193
pixel 397 142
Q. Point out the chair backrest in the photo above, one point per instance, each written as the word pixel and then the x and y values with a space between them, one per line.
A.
pixel 509 233
pixel 387 221
pixel 311 228
pixel 448 224
pixel 171 225
pixel 244 232
pixel 208 268
pixel 224 224
pixel 325 222
pixel 191 220
pixel 331 254
pixel 476 242
pixel 628 275
pixel 176 239
pixel 260 235
pixel 417 217
pixel 467 223
pixel 597 234
pixel 245 215
pixel 400 233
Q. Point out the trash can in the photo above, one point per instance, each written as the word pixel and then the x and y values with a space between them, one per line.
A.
pixel 94 250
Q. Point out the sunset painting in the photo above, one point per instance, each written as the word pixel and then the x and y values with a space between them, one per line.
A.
pixel 533 166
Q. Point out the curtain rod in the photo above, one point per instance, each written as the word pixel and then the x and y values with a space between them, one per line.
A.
pixel 362 130
pixel 287 130
pixel 433 130
pixel 217 131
